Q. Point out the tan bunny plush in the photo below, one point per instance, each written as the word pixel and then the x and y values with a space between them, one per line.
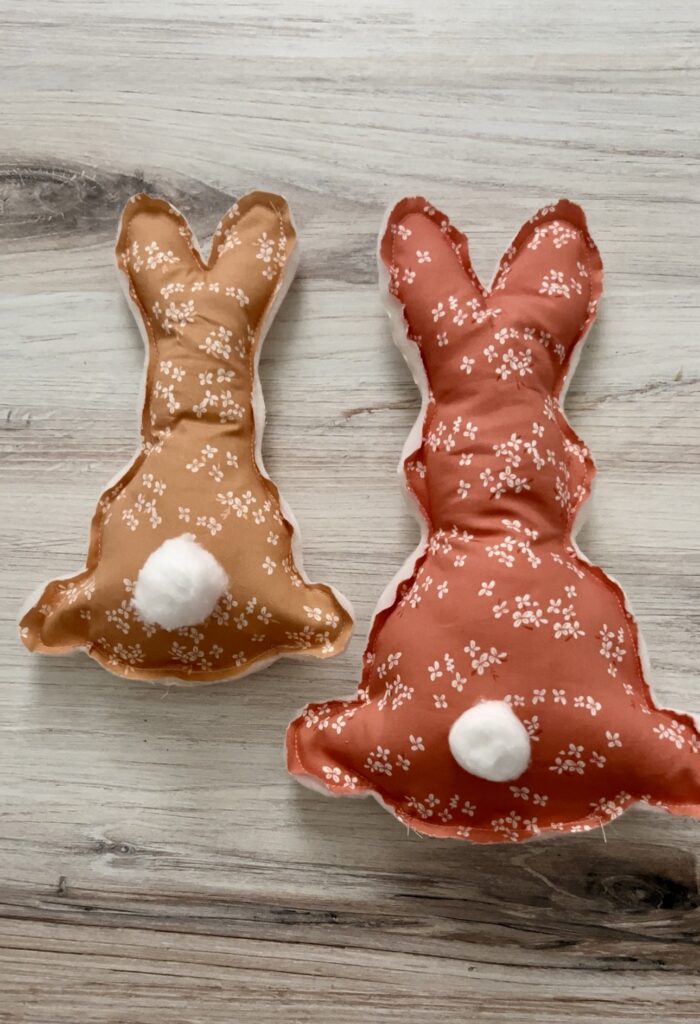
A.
pixel 193 569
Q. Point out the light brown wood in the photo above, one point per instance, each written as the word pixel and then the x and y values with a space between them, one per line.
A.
pixel 156 864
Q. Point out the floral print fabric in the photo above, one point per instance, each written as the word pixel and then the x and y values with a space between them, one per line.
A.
pixel 499 603
pixel 197 471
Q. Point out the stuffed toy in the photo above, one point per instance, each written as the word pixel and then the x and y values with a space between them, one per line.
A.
pixel 193 570
pixel 504 690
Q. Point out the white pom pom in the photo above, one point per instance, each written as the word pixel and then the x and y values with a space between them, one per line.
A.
pixel 179 584
pixel 490 741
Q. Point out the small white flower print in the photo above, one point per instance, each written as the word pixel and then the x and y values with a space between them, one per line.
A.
pixel 378 761
pixel 528 613
pixel 157 257
pixel 423 256
pixel 486 589
pixel 218 343
pixel 588 704
pixel 553 283
pixel 611 648
pixel 569 761
pixel 458 682
pixel 533 727
pixel 520 792
pixel 674 733
pixel 239 295
pixel 434 671
pixel 209 523
pixel 313 613
pixel 266 248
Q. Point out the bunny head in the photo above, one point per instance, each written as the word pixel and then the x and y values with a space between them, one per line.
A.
pixel 503 691
pixel 193 567
pixel 498 353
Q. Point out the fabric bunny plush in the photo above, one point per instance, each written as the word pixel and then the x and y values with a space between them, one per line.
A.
pixel 193 568
pixel 503 692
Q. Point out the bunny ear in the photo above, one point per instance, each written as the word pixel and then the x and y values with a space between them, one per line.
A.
pixel 250 250
pixel 154 248
pixel 153 237
pixel 249 253
pixel 552 274
pixel 429 273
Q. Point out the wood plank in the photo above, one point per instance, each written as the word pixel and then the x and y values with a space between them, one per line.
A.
pixel 156 863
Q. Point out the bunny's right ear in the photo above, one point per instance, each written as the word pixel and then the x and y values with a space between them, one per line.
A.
pixel 430 272
pixel 154 248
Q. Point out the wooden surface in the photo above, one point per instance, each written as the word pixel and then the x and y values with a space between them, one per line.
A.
pixel 156 864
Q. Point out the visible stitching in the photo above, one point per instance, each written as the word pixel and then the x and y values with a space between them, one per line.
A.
pixel 152 356
pixel 594 276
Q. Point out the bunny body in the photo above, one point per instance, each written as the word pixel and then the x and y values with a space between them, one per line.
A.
pixel 499 604
pixel 199 472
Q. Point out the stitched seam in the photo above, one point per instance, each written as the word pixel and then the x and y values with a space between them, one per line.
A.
pixel 565 428
pixel 108 496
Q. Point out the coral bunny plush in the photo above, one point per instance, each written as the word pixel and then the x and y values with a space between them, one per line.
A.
pixel 193 566
pixel 503 691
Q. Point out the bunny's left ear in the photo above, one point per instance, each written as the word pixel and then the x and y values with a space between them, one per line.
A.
pixel 154 248
pixel 553 272
pixel 427 260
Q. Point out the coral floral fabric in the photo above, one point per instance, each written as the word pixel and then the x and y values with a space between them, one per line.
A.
pixel 197 471
pixel 499 604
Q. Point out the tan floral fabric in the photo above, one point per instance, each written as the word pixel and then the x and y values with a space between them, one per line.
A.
pixel 197 470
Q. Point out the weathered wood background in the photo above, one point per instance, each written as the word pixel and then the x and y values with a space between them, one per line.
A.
pixel 156 864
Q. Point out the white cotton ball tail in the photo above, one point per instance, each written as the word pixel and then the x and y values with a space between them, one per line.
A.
pixel 491 742
pixel 179 584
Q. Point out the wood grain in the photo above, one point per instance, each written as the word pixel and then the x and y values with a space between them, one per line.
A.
pixel 156 864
